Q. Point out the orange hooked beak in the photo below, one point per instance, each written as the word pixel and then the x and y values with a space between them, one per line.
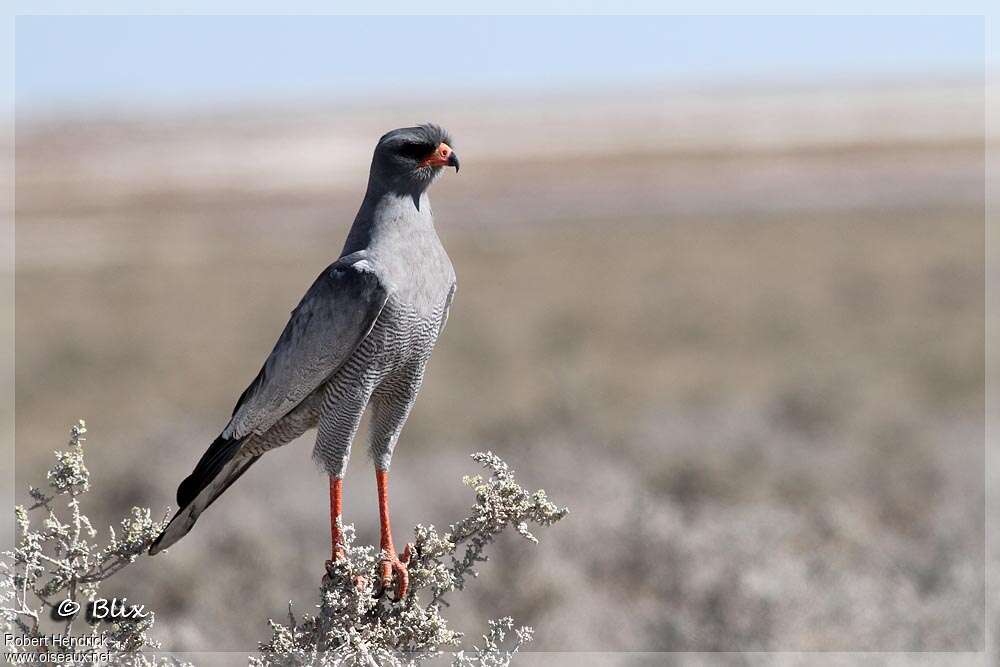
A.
pixel 443 156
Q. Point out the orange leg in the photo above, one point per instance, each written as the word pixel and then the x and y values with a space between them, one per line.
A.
pixel 336 508
pixel 391 563
pixel 336 534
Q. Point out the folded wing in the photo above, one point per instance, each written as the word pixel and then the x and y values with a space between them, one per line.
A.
pixel 332 319
pixel 334 316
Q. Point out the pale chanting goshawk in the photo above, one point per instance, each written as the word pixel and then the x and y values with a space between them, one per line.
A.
pixel 361 336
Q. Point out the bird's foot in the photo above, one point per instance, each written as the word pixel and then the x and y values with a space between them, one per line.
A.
pixel 339 556
pixel 330 569
pixel 389 566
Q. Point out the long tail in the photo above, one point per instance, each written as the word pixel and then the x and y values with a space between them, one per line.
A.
pixel 218 468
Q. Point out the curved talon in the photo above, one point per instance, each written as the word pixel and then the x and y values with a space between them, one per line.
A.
pixel 331 565
pixel 328 573
pixel 339 556
pixel 391 565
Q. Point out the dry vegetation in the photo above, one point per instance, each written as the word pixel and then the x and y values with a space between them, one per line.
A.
pixel 50 584
pixel 754 371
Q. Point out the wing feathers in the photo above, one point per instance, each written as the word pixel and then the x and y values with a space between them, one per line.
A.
pixel 332 319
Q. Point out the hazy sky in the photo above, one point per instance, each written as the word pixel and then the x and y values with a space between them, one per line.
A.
pixel 149 61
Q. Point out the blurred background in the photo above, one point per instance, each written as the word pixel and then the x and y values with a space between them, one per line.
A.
pixel 721 291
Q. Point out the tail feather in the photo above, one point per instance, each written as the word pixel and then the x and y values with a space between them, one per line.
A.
pixel 211 462
pixel 218 468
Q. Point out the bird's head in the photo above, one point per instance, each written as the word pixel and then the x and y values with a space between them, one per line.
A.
pixel 410 158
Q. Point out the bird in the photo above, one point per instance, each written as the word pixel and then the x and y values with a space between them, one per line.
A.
pixel 359 340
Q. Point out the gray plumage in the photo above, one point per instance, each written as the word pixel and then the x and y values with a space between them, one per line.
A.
pixel 362 335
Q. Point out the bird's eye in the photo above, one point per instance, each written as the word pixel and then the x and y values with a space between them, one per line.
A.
pixel 415 151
